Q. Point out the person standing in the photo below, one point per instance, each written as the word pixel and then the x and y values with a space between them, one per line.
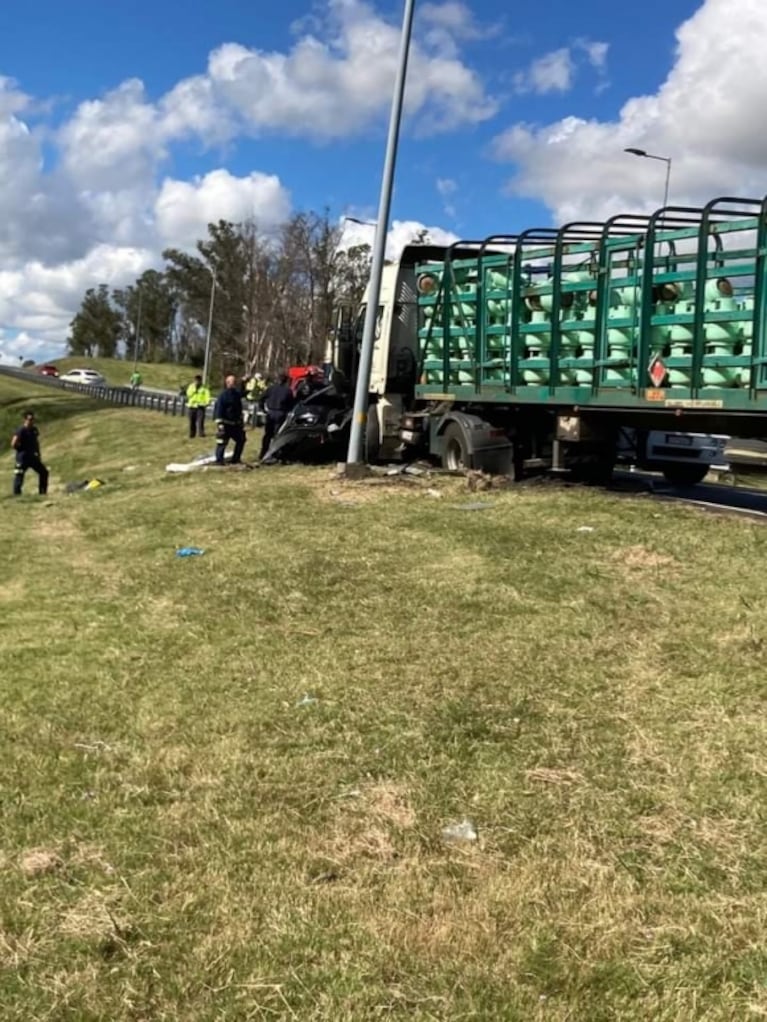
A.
pixel 26 443
pixel 276 403
pixel 135 380
pixel 228 416
pixel 197 400
pixel 254 392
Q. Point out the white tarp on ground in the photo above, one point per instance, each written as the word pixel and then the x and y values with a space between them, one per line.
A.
pixel 199 462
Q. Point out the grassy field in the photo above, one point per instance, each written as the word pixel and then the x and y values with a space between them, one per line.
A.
pixel 225 779
pixel 117 371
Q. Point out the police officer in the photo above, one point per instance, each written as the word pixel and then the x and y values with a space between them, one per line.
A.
pixel 228 416
pixel 197 400
pixel 276 403
pixel 26 443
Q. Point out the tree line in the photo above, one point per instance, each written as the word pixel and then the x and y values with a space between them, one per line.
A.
pixel 268 301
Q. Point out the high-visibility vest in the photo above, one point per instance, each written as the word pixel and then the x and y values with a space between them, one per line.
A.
pixel 197 397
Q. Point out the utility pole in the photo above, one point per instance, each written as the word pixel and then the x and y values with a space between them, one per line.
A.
pixel 362 389
pixel 138 331
pixel 210 328
pixel 663 159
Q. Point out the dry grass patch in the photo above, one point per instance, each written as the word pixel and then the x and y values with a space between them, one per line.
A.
pixel 641 558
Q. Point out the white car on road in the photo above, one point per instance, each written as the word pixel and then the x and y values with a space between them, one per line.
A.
pixel 86 376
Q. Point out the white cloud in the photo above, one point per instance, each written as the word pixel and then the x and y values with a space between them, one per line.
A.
pixel 553 72
pixel 333 83
pixel 705 116
pixel 401 233
pixel 556 71
pixel 97 199
pixel 184 209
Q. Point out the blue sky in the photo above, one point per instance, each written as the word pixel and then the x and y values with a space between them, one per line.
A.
pixel 125 127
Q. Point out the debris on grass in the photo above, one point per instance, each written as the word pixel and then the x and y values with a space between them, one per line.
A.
pixel 97 746
pixel 549 775
pixel 458 833
pixel 189 551
pixel 307 700
pixel 585 528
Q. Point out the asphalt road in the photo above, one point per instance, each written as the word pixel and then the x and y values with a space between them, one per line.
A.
pixel 718 498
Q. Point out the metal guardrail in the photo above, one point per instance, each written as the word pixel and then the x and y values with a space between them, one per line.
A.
pixel 169 404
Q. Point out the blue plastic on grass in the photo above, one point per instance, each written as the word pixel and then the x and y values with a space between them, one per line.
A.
pixel 189 551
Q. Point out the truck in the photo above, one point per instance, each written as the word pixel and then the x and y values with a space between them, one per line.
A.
pixel 640 338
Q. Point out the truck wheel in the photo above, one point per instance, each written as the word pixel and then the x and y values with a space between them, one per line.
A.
pixel 455 450
pixel 685 475
pixel 372 436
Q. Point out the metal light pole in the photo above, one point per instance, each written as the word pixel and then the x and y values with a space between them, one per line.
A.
pixel 664 159
pixel 210 329
pixel 359 418
pixel 138 332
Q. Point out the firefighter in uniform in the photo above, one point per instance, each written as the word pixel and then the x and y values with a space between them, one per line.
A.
pixel 26 443
pixel 276 403
pixel 228 416
pixel 197 400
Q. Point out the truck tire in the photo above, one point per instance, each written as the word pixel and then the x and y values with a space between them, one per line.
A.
pixel 455 451
pixel 372 436
pixel 685 475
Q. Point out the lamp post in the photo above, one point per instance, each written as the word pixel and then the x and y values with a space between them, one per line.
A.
pixel 363 223
pixel 663 159
pixel 362 389
pixel 138 331
pixel 210 328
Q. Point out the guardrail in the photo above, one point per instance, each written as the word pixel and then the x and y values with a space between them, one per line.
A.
pixel 169 404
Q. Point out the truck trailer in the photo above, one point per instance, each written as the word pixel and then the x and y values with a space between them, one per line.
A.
pixel 574 347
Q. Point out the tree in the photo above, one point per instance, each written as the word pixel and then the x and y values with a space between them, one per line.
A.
pixel 352 275
pixel 149 307
pixel 97 326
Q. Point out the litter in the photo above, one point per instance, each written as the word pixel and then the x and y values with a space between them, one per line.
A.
pixel 86 484
pixel 433 493
pixel 476 505
pixel 585 528
pixel 307 700
pixel 457 832
pixel 189 551
pixel 201 461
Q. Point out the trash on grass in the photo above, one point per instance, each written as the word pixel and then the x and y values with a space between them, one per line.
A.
pixel 456 832
pixel 585 528
pixel 86 484
pixel 431 492
pixel 190 551
pixel 307 700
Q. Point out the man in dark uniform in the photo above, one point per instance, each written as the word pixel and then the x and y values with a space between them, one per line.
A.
pixel 228 416
pixel 26 443
pixel 277 401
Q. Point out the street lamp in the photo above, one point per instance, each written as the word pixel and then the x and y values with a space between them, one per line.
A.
pixel 364 223
pixel 138 331
pixel 362 390
pixel 651 156
pixel 210 328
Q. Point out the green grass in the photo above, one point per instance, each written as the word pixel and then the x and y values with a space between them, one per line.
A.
pixel 225 778
pixel 117 372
